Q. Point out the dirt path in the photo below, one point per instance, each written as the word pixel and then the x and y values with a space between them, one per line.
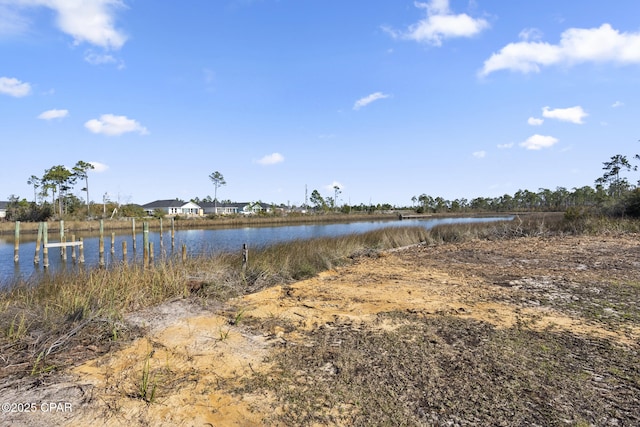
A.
pixel 182 372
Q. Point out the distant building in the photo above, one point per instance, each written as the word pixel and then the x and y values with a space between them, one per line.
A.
pixel 173 207
pixel 3 209
pixel 179 207
pixel 231 208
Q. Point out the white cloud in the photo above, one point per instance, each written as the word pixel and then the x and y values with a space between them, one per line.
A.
pixel 14 87
pixel 363 102
pixel 111 125
pixel 533 121
pixel 86 21
pixel 99 167
pixel 617 104
pixel 577 45
pixel 572 114
pixel 331 186
pixel 530 34
pixel 440 24
pixel 480 154
pixel 11 22
pixel 537 142
pixel 53 114
pixel 94 58
pixel 505 146
pixel 271 159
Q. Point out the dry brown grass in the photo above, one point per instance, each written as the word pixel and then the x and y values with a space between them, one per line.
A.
pixel 40 323
pixel 445 370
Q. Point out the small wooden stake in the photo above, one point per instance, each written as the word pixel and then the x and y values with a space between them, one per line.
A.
pixel 101 245
pixel 133 233
pixel 45 241
pixel 145 244
pixel 63 249
pixel 245 257
pixel 173 233
pixel 184 253
pixel 36 257
pixel 124 251
pixel 81 250
pixel 16 244
pixel 73 249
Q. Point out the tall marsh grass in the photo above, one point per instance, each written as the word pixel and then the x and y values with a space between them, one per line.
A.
pixel 70 309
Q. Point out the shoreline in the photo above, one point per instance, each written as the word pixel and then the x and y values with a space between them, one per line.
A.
pixel 8 227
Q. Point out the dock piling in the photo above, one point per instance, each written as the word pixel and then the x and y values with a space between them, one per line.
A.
pixel 16 244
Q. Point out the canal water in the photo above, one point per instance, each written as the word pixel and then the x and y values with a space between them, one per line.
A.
pixel 198 242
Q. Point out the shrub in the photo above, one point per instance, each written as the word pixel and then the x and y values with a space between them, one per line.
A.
pixel 632 204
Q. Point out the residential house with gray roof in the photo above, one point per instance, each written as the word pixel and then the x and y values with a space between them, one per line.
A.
pixel 174 207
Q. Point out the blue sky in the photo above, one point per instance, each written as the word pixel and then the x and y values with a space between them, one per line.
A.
pixel 387 99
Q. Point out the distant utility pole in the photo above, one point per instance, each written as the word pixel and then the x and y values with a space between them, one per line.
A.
pixel 306 196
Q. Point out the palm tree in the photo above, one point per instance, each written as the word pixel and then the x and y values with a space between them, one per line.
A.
pixel 218 181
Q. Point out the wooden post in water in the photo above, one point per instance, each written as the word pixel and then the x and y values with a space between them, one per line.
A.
pixel 64 252
pixel 173 233
pixel 245 258
pixel 124 251
pixel 45 241
pixel 73 248
pixel 81 250
pixel 133 233
pixel 145 244
pixel 161 234
pixel 101 245
pixel 150 253
pixel 63 249
pixel 16 244
pixel 184 253
pixel 36 257
pixel 113 244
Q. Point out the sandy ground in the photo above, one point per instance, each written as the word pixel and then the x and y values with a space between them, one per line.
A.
pixel 179 373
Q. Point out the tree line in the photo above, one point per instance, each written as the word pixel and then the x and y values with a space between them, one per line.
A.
pixel 55 181
pixel 611 194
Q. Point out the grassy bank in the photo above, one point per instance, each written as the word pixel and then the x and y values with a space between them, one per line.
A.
pixel 40 323
pixel 50 324
pixel 67 317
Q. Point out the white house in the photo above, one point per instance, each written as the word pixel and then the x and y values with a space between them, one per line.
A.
pixel 174 207
pixel 231 208
pixel 3 209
